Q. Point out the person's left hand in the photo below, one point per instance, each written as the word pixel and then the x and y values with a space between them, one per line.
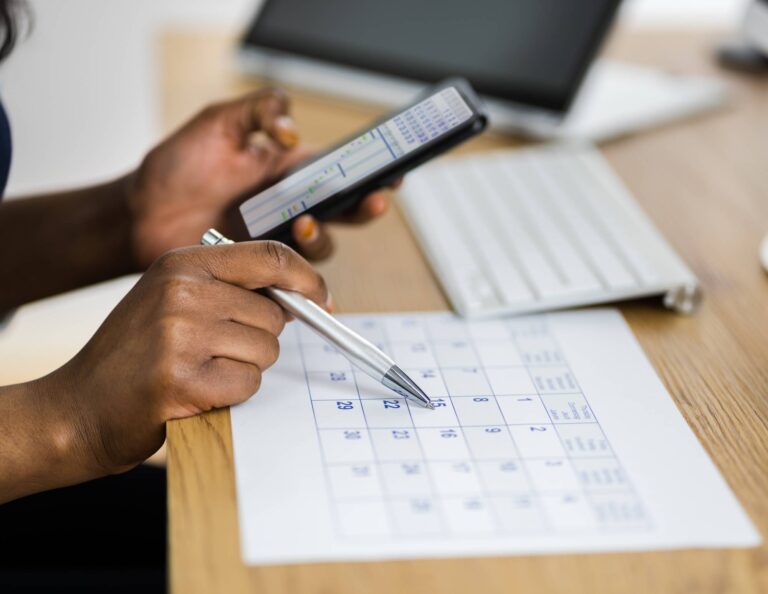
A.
pixel 188 183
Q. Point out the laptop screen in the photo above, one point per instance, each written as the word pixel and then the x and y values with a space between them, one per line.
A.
pixel 532 52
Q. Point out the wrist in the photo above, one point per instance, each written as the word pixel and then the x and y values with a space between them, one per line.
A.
pixel 41 445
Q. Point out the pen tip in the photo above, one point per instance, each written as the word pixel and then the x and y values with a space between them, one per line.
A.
pixel 430 406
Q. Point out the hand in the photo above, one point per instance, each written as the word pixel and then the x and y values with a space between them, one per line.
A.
pixel 188 182
pixel 191 336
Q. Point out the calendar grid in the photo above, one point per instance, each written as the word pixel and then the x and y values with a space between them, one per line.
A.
pixel 513 446
pixel 430 478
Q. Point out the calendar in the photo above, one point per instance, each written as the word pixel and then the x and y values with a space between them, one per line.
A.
pixel 549 433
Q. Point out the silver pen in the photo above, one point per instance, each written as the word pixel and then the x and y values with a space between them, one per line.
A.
pixel 354 347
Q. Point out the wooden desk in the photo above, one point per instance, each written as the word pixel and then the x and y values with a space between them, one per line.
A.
pixel 704 182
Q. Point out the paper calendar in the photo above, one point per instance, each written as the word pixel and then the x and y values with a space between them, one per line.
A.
pixel 550 433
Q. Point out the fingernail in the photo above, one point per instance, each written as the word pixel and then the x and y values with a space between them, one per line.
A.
pixel 286 131
pixel 308 229
pixel 379 204
pixel 329 304
pixel 259 140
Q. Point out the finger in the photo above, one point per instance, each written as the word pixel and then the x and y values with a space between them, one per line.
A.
pixel 312 238
pixel 268 110
pixel 245 307
pixel 373 206
pixel 231 382
pixel 252 265
pixel 244 343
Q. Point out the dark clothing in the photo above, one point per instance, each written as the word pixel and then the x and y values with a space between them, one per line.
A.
pixel 104 536
pixel 108 535
pixel 5 150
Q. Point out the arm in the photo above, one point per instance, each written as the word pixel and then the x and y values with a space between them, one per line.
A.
pixel 185 185
pixel 60 242
pixel 192 335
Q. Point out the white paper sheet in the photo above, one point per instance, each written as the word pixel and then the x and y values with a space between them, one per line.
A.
pixel 552 434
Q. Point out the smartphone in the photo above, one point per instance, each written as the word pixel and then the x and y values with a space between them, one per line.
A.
pixel 334 182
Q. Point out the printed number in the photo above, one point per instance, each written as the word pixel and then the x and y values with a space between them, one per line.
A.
pixel 462 467
pixel 401 434
pixel 480 399
pixel 352 435
pixel 391 404
pixel 428 374
pixel 361 471
pixel 508 467
pixel 421 505
pixel 448 433
pixel 526 399
pixel 345 405
pixel 493 429
pixel 473 504
pixel 338 377
pixel 538 428
pixel 552 463
pixel 411 469
pixel 438 402
pixel 419 348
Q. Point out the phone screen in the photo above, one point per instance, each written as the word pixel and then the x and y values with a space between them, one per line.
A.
pixel 366 154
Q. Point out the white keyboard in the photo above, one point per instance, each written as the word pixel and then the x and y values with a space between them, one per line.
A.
pixel 519 231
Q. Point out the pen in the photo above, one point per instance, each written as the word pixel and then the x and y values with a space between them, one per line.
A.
pixel 354 347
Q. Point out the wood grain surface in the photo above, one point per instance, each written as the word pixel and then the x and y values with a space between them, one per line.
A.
pixel 705 184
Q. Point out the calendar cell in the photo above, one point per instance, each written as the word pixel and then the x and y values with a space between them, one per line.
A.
pixel 387 412
pixel 323 357
pixel 443 443
pixel 372 330
pixel 413 354
pixel 469 515
pixel 459 353
pixel 395 445
pixel 477 410
pixel 430 380
pixel 443 414
pixel 331 385
pixel 503 476
pixel 493 442
pixel 346 445
pixel 552 475
pixel 554 380
pixel 417 517
pixel 619 510
pixel 510 380
pixel 455 478
pixel 447 328
pixel 409 479
pixel 584 440
pixel 368 387
pixel 567 511
pixel 354 481
pixel 338 414
pixel 407 329
pixel 488 330
pixel 466 381
pixel 523 410
pixel 539 351
pixel 568 408
pixel 363 518
pixel 535 441
pixel 517 515
pixel 500 353
pixel 596 474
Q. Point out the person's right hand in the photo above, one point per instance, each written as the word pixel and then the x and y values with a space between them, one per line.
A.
pixel 191 336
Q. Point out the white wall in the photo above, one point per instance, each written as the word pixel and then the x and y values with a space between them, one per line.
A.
pixel 81 91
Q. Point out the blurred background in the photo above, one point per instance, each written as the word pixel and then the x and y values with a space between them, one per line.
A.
pixel 99 59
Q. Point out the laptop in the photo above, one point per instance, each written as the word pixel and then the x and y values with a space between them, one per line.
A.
pixel 533 61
